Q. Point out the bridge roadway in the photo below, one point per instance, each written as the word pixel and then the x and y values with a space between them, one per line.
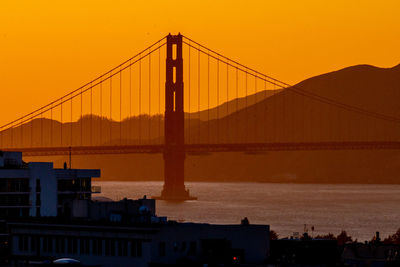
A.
pixel 208 148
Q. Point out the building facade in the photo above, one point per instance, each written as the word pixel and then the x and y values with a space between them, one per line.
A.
pixel 37 189
pixel 140 245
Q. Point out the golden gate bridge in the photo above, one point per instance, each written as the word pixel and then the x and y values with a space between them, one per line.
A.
pixel 205 103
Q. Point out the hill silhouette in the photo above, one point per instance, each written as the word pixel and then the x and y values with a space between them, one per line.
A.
pixel 286 116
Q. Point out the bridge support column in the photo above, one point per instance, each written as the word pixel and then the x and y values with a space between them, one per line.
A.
pixel 174 150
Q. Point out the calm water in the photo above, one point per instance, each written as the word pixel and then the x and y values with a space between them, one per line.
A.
pixel 361 210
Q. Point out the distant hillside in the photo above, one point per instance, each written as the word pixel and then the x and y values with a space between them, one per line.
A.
pixel 289 116
pixel 232 106
pixel 286 116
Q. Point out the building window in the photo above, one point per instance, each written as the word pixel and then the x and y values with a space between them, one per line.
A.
pixel 69 245
pixel 112 247
pixel 123 248
pixel 72 245
pixel 108 247
pixel 23 243
pixel 20 242
pixel 136 248
pixel 97 246
pixel 161 249
pixel 84 246
pixel 60 245
pixel 87 246
pixel 81 246
pixel 47 244
pixel 34 243
pixel 192 248
pixel 94 246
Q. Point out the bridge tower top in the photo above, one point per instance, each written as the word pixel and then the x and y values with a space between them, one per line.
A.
pixel 174 113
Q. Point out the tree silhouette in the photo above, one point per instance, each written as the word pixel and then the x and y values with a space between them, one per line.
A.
pixel 393 239
pixel 343 238
pixel 273 235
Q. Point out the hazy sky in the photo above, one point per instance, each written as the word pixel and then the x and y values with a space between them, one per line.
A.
pixel 48 48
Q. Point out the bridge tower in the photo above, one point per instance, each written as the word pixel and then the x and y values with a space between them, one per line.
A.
pixel 174 148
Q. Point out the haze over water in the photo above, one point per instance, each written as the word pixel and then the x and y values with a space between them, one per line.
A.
pixel 361 210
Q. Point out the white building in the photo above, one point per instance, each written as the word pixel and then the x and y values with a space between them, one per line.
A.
pixel 37 189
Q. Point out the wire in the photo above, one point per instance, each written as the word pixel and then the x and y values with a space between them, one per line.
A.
pixel 149 99
pixel 198 98
pixel 159 95
pixel 92 81
pixel 189 94
pixel 110 109
pixel 120 107
pixel 297 89
pixel 208 99
pixel 217 101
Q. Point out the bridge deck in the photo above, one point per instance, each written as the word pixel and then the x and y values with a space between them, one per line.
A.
pixel 205 148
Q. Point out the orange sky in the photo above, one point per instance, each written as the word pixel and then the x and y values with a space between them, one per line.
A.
pixel 48 48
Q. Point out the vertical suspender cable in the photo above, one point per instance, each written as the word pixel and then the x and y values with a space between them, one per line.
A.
pixel 237 104
pixel 256 110
pixel 91 114
pixel 120 106
pixel 12 137
pixel 198 97
pixel 41 130
pixel 149 96
pixel 208 98
pixel 274 108
pixel 111 108
pixel 22 135
pixel 217 100
pixel 101 113
pixel 265 111
pixel 51 127
pixel 245 111
pixel 227 104
pixel 130 101
pixel 189 93
pixel 305 137
pixel 81 118
pixel 70 143
pixel 159 95
pixel 338 125
pixel 291 108
pixel 31 131
pixel 61 122
pixel 140 99
pixel 303 118
pixel 283 124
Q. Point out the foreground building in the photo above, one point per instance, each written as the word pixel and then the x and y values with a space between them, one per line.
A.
pixel 37 189
pixel 50 214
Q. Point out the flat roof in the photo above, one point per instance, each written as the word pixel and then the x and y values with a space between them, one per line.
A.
pixel 59 173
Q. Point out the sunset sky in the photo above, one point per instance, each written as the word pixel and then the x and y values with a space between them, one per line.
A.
pixel 48 48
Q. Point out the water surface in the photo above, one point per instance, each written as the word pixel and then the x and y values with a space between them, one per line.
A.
pixel 361 210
